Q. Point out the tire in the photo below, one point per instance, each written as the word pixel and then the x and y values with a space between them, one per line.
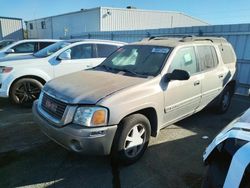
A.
pixel 25 91
pixel 215 174
pixel 131 139
pixel 224 100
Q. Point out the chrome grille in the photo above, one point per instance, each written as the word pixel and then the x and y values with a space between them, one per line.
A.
pixel 53 107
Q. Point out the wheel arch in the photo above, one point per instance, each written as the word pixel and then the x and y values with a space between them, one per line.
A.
pixel 38 78
pixel 149 113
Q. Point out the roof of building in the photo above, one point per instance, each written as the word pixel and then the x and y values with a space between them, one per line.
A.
pixel 11 18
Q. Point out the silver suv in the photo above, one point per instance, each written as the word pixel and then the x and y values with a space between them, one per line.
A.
pixel 141 88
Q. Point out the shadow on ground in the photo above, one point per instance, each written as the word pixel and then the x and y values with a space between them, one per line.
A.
pixel 174 159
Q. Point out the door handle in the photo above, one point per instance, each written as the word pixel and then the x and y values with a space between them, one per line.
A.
pixel 221 75
pixel 196 83
pixel 88 66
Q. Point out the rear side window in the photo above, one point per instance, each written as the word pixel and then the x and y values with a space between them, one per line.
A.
pixel 207 57
pixel 28 47
pixel 44 44
pixel 104 50
pixel 185 60
pixel 227 53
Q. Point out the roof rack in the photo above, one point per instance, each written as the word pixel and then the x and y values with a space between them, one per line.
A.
pixel 187 38
pixel 211 39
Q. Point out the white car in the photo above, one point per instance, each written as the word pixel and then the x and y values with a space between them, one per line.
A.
pixel 21 78
pixel 24 47
pixel 228 156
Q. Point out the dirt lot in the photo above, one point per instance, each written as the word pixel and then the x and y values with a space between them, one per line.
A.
pixel 174 159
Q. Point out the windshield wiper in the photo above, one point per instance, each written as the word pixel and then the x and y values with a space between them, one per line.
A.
pixel 134 73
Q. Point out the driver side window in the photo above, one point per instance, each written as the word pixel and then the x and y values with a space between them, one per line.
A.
pixel 184 60
pixel 25 47
pixel 82 51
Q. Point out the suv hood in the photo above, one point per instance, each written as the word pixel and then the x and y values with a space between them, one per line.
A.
pixel 88 87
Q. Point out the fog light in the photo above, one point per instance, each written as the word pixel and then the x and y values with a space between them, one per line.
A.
pixel 75 145
pixel 98 133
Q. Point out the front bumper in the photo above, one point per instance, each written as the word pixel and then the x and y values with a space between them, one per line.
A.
pixel 97 141
pixel 5 82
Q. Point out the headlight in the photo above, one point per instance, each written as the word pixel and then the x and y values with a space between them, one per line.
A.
pixel 91 116
pixel 4 69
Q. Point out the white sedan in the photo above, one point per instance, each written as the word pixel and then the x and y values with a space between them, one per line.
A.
pixel 228 156
pixel 21 78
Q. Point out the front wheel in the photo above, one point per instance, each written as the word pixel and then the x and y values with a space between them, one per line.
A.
pixel 131 139
pixel 25 91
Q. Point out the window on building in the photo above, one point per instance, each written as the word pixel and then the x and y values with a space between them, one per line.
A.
pixel 43 24
pixel 104 50
pixel 31 26
pixel 185 60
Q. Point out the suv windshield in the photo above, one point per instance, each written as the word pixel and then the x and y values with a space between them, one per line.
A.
pixel 51 49
pixel 139 60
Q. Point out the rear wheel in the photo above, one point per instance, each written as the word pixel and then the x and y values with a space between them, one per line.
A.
pixel 25 91
pixel 131 139
pixel 225 100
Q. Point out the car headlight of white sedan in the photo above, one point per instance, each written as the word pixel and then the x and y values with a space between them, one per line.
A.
pixel 91 116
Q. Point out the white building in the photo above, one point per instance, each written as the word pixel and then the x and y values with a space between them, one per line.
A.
pixel 107 19
pixel 11 28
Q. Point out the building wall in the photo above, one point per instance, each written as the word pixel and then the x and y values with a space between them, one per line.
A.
pixel 117 19
pixel 36 30
pixel 107 19
pixel 11 28
pixel 63 26
pixel 238 35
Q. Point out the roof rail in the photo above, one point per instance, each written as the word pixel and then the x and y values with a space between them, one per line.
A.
pixel 211 39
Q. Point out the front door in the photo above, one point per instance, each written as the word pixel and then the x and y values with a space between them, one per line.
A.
pixel 81 57
pixel 183 97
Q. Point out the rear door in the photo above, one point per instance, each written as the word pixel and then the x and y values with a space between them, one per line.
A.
pixel 82 57
pixel 212 73
pixel 183 97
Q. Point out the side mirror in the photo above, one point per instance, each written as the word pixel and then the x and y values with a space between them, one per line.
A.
pixel 9 51
pixel 66 55
pixel 177 75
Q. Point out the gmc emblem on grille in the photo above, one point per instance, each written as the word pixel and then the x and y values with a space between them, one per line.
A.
pixel 50 105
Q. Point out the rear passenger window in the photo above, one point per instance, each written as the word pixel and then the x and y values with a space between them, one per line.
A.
pixel 185 60
pixel 44 44
pixel 227 54
pixel 207 57
pixel 104 50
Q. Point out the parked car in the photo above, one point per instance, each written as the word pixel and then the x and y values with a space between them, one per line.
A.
pixel 21 78
pixel 228 156
pixel 138 90
pixel 4 43
pixel 24 47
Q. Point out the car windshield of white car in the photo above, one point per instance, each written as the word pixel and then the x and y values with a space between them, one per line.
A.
pixel 136 60
pixel 51 49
